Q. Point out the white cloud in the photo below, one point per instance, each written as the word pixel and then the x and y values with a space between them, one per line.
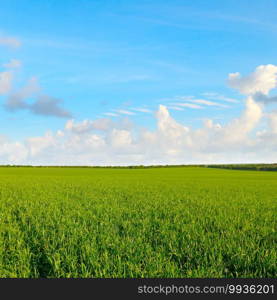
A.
pixel 124 112
pixel 142 109
pixel 104 142
pixel 110 114
pixel 273 122
pixel 208 103
pixel 130 112
pixel 88 125
pixel 167 125
pixel 9 41
pixel 236 131
pixel 12 152
pixel 188 105
pixel 38 144
pixel 120 138
pixel 217 96
pixel 109 142
pixel 262 80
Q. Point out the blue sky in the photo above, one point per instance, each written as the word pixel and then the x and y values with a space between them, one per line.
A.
pixel 122 59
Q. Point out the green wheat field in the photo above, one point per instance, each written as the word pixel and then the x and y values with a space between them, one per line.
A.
pixel 141 222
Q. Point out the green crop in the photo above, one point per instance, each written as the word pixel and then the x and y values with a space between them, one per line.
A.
pixel 160 222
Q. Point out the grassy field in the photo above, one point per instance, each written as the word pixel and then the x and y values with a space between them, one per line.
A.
pixel 160 222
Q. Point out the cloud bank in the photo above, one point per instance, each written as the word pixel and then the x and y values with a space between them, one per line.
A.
pixel 108 142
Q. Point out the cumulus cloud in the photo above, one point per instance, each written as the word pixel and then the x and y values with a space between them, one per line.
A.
pixel 258 84
pixel 88 125
pixel 262 80
pixel 236 131
pixel 12 152
pixel 119 138
pixel 36 144
pixel 9 41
